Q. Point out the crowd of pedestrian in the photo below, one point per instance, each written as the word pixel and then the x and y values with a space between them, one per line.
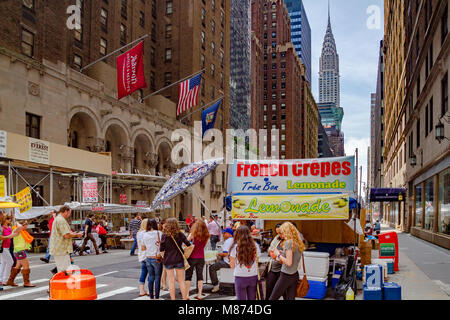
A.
pixel 166 254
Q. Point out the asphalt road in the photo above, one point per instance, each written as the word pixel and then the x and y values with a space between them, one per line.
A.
pixel 117 274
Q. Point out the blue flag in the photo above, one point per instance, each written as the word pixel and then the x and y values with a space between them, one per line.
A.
pixel 209 117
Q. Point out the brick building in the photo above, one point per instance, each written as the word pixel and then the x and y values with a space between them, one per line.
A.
pixel 287 100
pixel 43 95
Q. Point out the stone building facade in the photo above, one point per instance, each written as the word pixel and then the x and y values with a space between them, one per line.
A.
pixel 426 114
pixel 394 116
pixel 44 95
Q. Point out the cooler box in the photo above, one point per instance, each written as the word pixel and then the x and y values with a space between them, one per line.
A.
pixel 373 276
pixel 372 293
pixel 392 291
pixel 317 264
pixel 317 287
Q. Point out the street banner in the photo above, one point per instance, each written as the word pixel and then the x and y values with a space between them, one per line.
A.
pixel 90 190
pixel 3 187
pixel 23 198
pixel 130 71
pixel 291 207
pixel 327 175
pixel 123 198
pixel 209 117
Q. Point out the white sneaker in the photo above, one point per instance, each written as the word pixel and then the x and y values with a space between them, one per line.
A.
pixel 215 289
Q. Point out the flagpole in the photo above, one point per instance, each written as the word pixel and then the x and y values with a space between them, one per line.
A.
pixel 172 84
pixel 206 106
pixel 115 51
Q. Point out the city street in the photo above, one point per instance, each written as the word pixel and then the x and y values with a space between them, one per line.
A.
pixel 116 272
pixel 423 275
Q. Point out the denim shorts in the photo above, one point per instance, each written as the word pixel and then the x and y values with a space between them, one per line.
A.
pixel 179 265
pixel 21 255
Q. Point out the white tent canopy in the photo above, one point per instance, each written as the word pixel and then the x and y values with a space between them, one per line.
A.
pixel 35 212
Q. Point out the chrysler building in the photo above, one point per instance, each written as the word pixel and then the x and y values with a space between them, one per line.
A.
pixel 329 88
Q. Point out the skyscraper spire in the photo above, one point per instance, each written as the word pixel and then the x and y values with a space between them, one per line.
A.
pixel 329 86
pixel 329 19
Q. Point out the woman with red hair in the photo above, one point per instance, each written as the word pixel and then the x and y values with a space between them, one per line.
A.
pixel 199 236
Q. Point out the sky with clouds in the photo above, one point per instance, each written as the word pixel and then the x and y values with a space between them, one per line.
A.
pixel 358 28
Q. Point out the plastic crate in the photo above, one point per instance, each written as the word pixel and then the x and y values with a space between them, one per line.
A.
pixel 317 288
pixel 372 293
pixel 392 291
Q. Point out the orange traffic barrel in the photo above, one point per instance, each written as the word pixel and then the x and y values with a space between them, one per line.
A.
pixel 73 285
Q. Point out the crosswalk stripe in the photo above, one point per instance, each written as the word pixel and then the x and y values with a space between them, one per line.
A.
pixel 7 288
pixel 16 294
pixel 105 274
pixel 47 298
pixel 115 292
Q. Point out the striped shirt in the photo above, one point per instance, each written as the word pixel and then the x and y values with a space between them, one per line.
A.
pixel 135 225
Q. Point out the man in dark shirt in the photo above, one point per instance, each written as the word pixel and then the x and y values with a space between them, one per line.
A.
pixel 88 234
pixel 135 225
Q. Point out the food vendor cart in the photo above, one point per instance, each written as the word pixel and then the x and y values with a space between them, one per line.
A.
pixel 313 194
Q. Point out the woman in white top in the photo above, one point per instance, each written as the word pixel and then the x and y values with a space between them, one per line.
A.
pixel 244 260
pixel 151 245
pixel 141 258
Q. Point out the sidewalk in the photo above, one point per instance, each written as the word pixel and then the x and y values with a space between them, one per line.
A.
pixel 415 283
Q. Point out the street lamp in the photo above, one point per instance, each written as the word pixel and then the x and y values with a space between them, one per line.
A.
pixel 413 160
pixel 440 132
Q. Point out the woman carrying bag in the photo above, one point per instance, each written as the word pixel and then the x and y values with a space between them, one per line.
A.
pixel 141 257
pixel 273 270
pixel 171 243
pixel 151 242
pixel 200 236
pixel 289 257
pixel 22 243
pixel 244 260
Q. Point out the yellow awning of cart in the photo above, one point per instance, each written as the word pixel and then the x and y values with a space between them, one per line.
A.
pixel 8 205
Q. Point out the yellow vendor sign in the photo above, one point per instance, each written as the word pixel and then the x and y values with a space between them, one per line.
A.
pixel 2 186
pixel 23 198
pixel 291 207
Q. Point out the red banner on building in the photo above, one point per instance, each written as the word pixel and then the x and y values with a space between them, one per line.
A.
pixel 123 198
pixel 130 71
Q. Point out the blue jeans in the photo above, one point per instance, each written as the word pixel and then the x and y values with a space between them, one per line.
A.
pixel 154 277
pixel 214 239
pixel 133 248
pixel 47 254
pixel 144 272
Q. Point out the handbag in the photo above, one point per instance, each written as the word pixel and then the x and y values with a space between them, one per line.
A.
pixel 188 251
pixel 186 263
pixel 159 255
pixel 303 285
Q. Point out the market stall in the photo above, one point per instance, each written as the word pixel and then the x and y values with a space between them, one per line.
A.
pixel 313 194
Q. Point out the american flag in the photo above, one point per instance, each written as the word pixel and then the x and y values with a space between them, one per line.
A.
pixel 188 93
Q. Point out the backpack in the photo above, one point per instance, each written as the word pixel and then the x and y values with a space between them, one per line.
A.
pixel 100 230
